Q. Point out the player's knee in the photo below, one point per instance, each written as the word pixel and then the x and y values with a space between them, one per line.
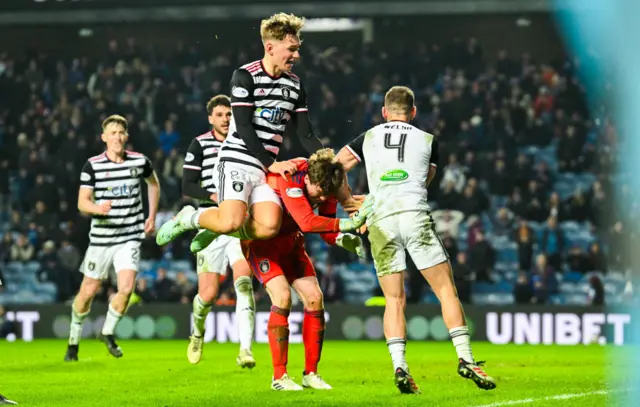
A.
pixel 282 299
pixel 244 285
pixel 396 299
pixel 208 294
pixel 314 301
pixel 88 289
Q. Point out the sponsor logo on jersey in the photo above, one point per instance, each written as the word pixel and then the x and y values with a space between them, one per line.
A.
pixel 271 115
pixel 189 157
pixel 239 92
pixel 295 192
pixel 394 176
pixel 85 177
pixel 122 190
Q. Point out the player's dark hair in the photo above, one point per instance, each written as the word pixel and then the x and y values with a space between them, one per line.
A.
pixel 115 118
pixel 326 172
pixel 399 99
pixel 218 100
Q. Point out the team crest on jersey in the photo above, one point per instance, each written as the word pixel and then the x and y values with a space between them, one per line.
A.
pixel 237 186
pixel 135 172
pixel 286 93
pixel 264 266
pixel 91 266
pixel 200 261
pixel 295 192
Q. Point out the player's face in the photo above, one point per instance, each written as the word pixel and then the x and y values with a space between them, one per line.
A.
pixel 285 53
pixel 315 194
pixel 115 136
pixel 220 118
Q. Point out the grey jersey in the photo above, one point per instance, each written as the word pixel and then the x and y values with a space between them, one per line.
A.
pixel 397 156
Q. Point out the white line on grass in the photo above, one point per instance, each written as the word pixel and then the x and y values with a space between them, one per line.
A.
pixel 549 398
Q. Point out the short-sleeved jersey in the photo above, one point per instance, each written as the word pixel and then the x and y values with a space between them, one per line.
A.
pixel 299 215
pixel 202 156
pixel 397 156
pixel 119 183
pixel 273 101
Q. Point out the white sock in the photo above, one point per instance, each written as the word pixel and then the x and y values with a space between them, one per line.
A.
pixel 397 348
pixel 193 221
pixel 200 311
pixel 110 322
pixel 245 311
pixel 75 329
pixel 462 341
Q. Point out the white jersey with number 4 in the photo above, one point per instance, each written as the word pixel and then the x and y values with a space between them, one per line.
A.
pixel 397 156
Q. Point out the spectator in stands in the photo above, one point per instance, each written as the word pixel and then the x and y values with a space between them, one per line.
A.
pixel 577 207
pixel 524 238
pixel 501 181
pixel 482 257
pixel 463 277
pixel 596 291
pixel 534 202
pixel 552 243
pixel 142 289
pixel 543 277
pixel 332 285
pixel 449 198
pixel 555 207
pixel 5 247
pixel 576 259
pixel 569 149
pixel 502 222
pixel 522 291
pixel 447 222
pixel 450 245
pixel 619 247
pixel 596 259
pixel 163 287
pixel 516 204
pixel 186 290
pixel 22 250
pixel 454 173
pixel 168 138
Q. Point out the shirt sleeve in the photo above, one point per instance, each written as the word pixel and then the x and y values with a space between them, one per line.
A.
pixel 329 209
pixel 298 205
pixel 355 147
pixel 193 159
pixel 302 104
pixel 87 176
pixel 192 171
pixel 242 105
pixel 433 160
pixel 147 170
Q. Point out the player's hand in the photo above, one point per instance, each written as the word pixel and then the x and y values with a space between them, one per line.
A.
pixel 103 208
pixel 353 203
pixel 150 225
pixel 351 243
pixel 283 168
pixel 214 197
pixel 359 217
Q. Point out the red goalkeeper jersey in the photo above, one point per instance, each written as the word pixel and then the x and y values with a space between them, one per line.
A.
pixel 298 214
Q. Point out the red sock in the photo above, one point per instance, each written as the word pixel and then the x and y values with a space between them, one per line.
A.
pixel 312 337
pixel 278 331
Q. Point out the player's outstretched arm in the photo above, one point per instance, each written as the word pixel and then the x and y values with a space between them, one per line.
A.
pixel 153 192
pixel 350 156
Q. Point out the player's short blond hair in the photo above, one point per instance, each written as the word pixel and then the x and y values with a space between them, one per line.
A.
pixel 117 119
pixel 279 26
pixel 399 99
pixel 326 172
pixel 218 100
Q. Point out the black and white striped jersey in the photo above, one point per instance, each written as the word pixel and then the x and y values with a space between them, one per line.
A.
pixel 119 183
pixel 273 100
pixel 202 156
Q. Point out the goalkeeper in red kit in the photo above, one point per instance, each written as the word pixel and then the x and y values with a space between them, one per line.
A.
pixel 281 262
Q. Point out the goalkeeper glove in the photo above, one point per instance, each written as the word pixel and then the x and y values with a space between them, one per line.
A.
pixel 351 243
pixel 359 217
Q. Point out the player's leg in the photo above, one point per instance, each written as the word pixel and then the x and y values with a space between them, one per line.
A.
pixel 125 263
pixel 95 268
pixel 430 257
pixel 209 265
pixel 265 258
pixel 389 258
pixel 313 328
pixel 262 223
pixel 245 302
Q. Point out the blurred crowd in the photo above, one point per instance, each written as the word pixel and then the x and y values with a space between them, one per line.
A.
pixel 482 112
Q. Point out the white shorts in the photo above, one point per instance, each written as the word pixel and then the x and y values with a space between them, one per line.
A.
pixel 244 183
pixel 223 252
pixel 100 260
pixel 411 231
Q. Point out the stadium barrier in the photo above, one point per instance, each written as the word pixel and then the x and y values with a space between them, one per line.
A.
pixel 499 325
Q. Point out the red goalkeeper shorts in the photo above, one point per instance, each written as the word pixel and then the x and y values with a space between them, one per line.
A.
pixel 279 256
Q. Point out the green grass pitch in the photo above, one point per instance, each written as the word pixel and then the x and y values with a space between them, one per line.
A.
pixel 156 373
